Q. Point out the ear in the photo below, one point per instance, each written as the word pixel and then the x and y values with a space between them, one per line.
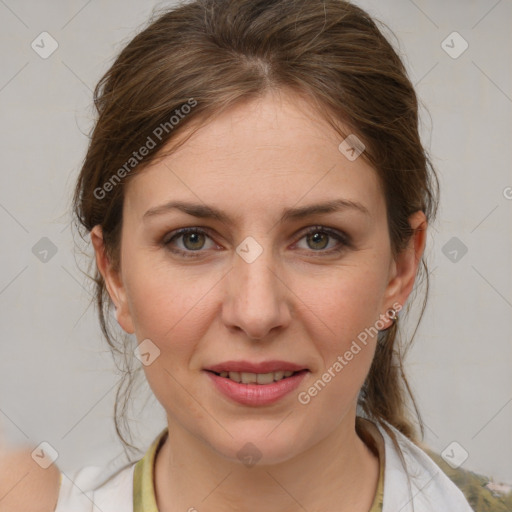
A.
pixel 404 267
pixel 113 281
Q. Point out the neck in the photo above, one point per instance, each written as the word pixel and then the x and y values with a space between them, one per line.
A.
pixel 338 472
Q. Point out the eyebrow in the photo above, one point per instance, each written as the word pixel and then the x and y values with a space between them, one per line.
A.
pixel 207 212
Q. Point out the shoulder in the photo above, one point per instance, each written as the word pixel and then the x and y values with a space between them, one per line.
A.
pixel 420 485
pixel 24 485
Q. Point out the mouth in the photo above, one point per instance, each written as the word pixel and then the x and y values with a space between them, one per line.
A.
pixel 258 378
pixel 256 389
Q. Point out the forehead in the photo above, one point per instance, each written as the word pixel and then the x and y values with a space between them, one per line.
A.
pixel 260 156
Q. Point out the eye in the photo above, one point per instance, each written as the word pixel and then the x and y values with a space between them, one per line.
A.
pixel 317 238
pixel 193 239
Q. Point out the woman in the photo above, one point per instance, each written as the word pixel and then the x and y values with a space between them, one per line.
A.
pixel 257 196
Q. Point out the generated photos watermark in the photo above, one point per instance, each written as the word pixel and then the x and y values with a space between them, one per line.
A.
pixel 304 397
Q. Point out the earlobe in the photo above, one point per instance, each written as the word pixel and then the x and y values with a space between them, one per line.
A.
pixel 113 281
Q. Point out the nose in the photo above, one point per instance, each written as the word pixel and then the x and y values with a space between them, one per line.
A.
pixel 257 298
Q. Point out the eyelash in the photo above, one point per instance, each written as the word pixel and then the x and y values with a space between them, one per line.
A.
pixel 342 238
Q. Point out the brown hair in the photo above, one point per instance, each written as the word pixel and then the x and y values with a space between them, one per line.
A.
pixel 208 55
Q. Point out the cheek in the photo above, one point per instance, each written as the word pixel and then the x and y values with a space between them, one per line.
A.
pixel 345 340
pixel 167 304
pixel 343 312
pixel 344 304
pixel 170 308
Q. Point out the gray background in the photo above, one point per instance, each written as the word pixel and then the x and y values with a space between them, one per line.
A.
pixel 57 379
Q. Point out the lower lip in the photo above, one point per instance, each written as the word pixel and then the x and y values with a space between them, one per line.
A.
pixel 257 394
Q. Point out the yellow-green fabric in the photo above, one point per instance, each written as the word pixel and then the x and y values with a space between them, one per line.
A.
pixel 144 499
pixel 373 438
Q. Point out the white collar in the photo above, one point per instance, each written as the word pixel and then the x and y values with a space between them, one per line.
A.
pixel 424 488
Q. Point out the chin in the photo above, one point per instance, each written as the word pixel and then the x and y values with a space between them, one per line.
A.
pixel 256 447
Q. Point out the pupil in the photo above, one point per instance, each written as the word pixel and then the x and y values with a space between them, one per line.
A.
pixel 194 239
pixel 316 238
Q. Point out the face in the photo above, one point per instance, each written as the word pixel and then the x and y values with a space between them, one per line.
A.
pixel 259 284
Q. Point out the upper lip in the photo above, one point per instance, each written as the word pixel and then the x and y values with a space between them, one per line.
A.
pixel 262 367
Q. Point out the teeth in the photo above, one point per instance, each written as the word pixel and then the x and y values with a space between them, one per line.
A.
pixel 248 378
pixel 264 378
pixel 259 378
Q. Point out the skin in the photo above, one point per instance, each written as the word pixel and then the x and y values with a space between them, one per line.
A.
pixel 291 303
pixel 24 485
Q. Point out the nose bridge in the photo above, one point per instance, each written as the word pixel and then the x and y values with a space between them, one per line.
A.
pixel 256 302
pixel 255 270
